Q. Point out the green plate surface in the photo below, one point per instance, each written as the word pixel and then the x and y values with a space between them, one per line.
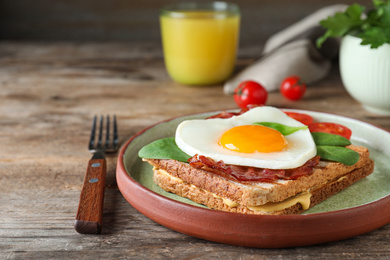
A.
pixel 374 187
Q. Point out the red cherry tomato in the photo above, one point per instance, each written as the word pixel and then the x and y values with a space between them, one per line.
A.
pixel 331 128
pixel 293 88
pixel 303 118
pixel 250 93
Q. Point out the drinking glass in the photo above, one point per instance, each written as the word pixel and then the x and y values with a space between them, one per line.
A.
pixel 200 41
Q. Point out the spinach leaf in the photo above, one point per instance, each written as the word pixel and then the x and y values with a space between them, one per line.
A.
pixel 284 129
pixel 339 154
pixel 329 147
pixel 329 139
pixel 165 148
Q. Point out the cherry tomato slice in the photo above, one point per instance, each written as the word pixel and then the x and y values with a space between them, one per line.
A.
pixel 250 93
pixel 303 118
pixel 331 128
pixel 293 88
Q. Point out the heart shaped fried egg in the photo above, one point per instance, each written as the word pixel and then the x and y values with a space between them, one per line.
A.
pixel 238 141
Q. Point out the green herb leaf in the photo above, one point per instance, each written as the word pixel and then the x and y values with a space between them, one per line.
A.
pixel 374 36
pixel 329 139
pixel 284 129
pixel 377 29
pixel 165 148
pixel 373 29
pixel 339 154
pixel 341 23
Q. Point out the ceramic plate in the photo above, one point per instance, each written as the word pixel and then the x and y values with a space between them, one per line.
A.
pixel 361 208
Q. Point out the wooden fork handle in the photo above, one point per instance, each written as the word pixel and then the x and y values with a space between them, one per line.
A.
pixel 90 211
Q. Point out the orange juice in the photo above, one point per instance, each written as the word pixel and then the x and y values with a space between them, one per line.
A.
pixel 200 46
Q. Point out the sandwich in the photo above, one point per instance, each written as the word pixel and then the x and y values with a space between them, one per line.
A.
pixel 259 161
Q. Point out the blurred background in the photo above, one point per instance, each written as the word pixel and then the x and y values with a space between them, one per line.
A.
pixel 130 20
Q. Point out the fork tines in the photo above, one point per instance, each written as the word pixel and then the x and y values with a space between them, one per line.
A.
pixel 110 142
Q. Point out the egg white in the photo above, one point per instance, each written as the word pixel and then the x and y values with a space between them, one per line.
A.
pixel 201 137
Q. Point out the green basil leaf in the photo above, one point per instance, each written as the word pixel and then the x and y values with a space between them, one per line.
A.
pixel 165 148
pixel 284 129
pixel 329 139
pixel 339 154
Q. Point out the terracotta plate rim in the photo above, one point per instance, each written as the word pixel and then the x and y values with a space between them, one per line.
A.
pixel 251 230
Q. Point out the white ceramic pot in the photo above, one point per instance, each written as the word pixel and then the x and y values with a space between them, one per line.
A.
pixel 365 73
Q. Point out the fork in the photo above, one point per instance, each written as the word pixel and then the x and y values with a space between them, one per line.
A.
pixel 90 211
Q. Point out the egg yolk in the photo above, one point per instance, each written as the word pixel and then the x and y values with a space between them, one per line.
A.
pixel 253 138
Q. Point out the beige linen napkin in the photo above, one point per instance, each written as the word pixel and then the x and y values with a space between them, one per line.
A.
pixel 292 51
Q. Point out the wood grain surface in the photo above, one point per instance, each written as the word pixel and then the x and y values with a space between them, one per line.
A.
pixel 49 93
pixel 101 20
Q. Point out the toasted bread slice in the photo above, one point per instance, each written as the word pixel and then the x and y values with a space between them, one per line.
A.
pixel 252 194
pixel 295 205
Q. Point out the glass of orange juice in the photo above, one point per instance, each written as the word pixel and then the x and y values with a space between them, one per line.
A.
pixel 200 41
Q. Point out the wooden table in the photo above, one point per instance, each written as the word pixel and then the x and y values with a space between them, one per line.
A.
pixel 49 94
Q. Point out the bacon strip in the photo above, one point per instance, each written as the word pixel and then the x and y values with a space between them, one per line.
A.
pixel 225 114
pixel 245 173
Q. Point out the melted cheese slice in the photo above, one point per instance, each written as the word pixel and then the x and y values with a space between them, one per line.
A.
pixel 302 198
pixel 168 175
pixel 230 203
